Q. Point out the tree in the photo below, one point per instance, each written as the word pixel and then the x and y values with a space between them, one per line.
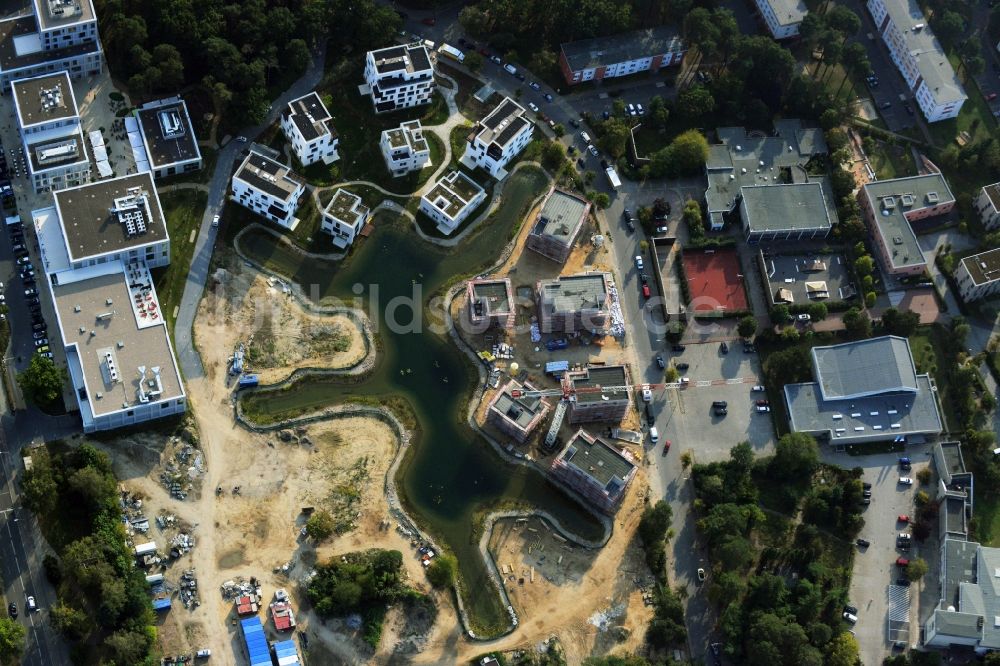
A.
pixel 796 457
pixel 864 265
pixel 68 621
pixel 553 154
pixel 688 152
pixel 614 138
pixel 171 67
pixel 695 103
pixel 916 569
pixel 40 488
pixel 653 528
pixel 842 651
pixel 899 323
pixel 602 200
pixel 93 490
pixel 473 60
pixel 441 571
pixel 543 62
pixel 297 55
pixel 843 20
pixel 659 114
pixel 42 381
pixel 616 660
pixel 747 326
pixel 11 640
pixel 780 314
pixel 320 525
pixel 949 26
pixel 671 375
pixel 475 21
pixel 858 325
pixel 127 647
pixel 817 311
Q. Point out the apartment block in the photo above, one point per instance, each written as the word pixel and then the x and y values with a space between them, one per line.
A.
pixel 98 244
pixel 782 17
pixel 596 470
pixel 601 58
pixel 451 200
pixel 51 132
pixel 558 225
pixel 399 77
pixel 308 126
pixel 498 138
pixel 344 217
pixel 268 188
pixel 919 57
pixel 57 35
pixel 168 144
pixel 978 276
pixel 491 303
pixel 987 204
pixel 889 207
pixel 405 149
pixel 515 414
pixel 572 303
pixel 600 393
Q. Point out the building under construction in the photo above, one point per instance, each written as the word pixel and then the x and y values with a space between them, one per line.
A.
pixel 516 417
pixel 491 302
pixel 595 470
pixel 574 303
pixel 590 404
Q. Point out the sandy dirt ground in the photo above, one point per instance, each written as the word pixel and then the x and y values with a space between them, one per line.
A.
pixel 245 306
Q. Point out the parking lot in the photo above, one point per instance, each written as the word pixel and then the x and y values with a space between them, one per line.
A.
pixel 794 272
pixel 690 422
pixel 873 591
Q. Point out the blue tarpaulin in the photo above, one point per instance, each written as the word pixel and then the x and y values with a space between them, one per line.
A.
pixel 556 367
pixel 161 604
pixel 253 634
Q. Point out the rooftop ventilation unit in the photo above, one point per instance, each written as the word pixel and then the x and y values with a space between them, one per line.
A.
pixel 889 203
pixel 906 199
pixel 932 197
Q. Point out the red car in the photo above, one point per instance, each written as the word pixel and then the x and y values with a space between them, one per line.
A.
pixel 903 518
pixel 902 562
pixel 645 290
pixel 763 403
pixel 429 21
pixel 666 446
pixel 991 97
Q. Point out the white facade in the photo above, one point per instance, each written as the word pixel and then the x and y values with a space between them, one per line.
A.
pixel 919 57
pixel 498 138
pixel 344 217
pixel 783 17
pixel 169 146
pixel 451 200
pixel 399 77
pixel 268 188
pixel 307 125
pixel 405 149
pixel 51 132
pixel 988 206
pixel 978 276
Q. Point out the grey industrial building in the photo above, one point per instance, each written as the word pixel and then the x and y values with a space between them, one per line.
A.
pixel 785 212
pixel 865 391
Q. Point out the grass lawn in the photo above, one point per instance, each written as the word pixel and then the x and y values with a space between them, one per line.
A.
pixel 459 139
pixel 307 233
pixel 975 117
pixel 183 210
pixel 987 517
pixel 928 354
pixel 467 85
pixel 891 161
pixel 648 141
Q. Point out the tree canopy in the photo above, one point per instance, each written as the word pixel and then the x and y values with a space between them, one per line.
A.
pixel 42 381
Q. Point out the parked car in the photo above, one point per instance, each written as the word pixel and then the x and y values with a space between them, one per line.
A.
pixel 534 85
pixel 666 447
pixel 866 485
pixel 593 150
pixel 720 411
pixel 638 263
pixel 991 97
pixel 903 580
pixel 647 393
pixel 863 543
pixel 645 291
pixel 215 220
pixel 30 292
pixel 682 366
pixel 905 481
pixel 40 342
pixel 677 348
pixel 902 562
pixel 724 347
pixel 763 409
pixel 803 317
pixel 701 575
pixel 850 617
pixel 639 110
pixel 548 97
pixel 575 124
pixel 853 610
pixel 32 606
pixel 661 229
pixel 660 362
pixel 430 20
pixel 631 109
pixel 720 403
pixel 533 107
pixel 904 462
pixel 903 518
pixel 763 402
pixel 758 388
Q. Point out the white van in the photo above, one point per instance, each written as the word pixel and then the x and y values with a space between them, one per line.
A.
pixel 654 435
pixel 585 137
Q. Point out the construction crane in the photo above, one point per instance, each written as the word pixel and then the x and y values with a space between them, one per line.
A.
pixel 567 391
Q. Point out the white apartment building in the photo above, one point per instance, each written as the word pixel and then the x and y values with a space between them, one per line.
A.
pixel 399 77
pixel 498 138
pixel 58 35
pixel 344 217
pixel 783 17
pixel 919 57
pixel 987 204
pixel 268 188
pixel 98 243
pixel 307 125
pixel 51 134
pixel 167 145
pixel 405 149
pixel 978 276
pixel 451 200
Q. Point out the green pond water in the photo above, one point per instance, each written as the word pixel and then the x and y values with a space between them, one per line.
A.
pixel 451 471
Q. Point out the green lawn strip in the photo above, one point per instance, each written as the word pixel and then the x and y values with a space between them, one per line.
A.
pixel 183 210
pixel 929 356
pixel 974 118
